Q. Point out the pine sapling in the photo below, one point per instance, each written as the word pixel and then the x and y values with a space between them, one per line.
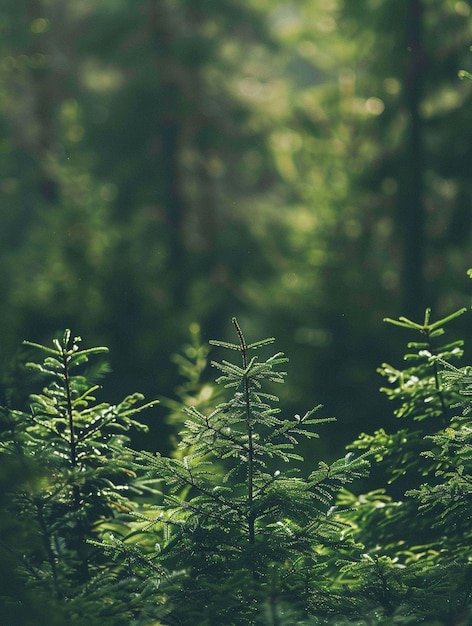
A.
pixel 245 530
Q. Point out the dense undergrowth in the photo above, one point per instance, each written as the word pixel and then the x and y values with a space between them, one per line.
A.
pixel 235 527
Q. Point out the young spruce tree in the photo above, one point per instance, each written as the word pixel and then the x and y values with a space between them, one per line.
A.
pixel 66 477
pixel 248 539
pixel 417 564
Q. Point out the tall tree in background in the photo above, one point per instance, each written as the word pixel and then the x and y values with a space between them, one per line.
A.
pixel 181 148
pixel 412 215
pixel 149 153
pixel 375 151
pixel 303 165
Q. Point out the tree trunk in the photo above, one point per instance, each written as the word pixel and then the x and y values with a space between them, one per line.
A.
pixel 412 210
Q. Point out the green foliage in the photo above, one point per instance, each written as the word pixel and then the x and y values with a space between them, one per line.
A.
pixel 192 160
pixel 236 508
pixel 417 537
pixel 305 165
pixel 71 485
pixel 193 390
pixel 230 528
pixel 418 394
pixel 447 498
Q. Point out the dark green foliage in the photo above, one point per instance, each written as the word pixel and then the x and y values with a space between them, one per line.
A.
pixel 194 388
pixel 417 392
pixel 307 165
pixel 417 535
pixel 229 529
pixel 245 528
pixel 70 484
pixel 166 161
pixel 449 499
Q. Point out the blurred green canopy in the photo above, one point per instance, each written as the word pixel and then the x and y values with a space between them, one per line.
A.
pixel 302 165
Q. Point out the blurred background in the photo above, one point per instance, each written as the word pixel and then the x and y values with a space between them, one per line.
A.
pixel 304 165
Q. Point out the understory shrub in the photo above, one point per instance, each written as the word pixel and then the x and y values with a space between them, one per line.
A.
pixel 231 528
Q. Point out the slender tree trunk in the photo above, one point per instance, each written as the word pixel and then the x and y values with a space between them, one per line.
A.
pixel 164 25
pixel 412 210
pixel 45 84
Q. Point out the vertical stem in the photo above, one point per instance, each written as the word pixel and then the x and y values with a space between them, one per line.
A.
pixel 46 537
pixel 76 499
pixel 437 382
pixel 70 416
pixel 250 432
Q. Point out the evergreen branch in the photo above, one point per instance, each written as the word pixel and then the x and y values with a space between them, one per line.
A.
pixel 448 318
pixel 39 346
pixel 51 429
pixel 225 344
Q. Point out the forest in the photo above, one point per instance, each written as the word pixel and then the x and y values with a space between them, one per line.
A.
pixel 232 236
